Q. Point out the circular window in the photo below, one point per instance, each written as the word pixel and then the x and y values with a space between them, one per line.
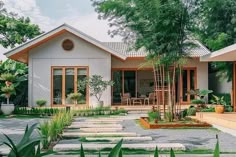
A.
pixel 67 45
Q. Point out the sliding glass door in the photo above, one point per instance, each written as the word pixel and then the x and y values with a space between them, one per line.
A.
pixel 124 82
pixel 65 80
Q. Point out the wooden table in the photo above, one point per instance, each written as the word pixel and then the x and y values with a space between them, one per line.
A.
pixel 135 100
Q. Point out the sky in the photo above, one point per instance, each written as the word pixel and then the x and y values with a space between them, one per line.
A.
pixel 49 14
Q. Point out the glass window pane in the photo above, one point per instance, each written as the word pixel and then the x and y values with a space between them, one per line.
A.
pixel 82 88
pixel 130 82
pixel 184 85
pixel 57 86
pixel 117 87
pixel 69 84
pixel 192 82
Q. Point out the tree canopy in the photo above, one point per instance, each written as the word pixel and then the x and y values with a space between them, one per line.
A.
pixel 15 30
pixel 215 26
pixel 157 25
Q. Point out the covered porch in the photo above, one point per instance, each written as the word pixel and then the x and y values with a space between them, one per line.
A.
pixel 227 54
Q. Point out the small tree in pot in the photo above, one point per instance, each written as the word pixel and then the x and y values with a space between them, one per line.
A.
pixel 97 86
pixel 8 90
pixel 74 97
pixel 219 103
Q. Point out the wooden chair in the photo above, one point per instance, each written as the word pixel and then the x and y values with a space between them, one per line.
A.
pixel 125 98
pixel 150 98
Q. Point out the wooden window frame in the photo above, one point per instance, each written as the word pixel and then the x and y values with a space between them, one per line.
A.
pixel 63 68
pixel 188 83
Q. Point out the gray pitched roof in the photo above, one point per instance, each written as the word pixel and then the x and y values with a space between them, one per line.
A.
pixel 196 51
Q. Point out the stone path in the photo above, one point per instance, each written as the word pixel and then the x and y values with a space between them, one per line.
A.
pixel 103 133
pixel 92 131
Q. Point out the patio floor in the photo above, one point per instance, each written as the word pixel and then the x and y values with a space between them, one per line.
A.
pixel 227 120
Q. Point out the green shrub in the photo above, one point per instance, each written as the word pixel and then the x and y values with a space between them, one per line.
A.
pixel 168 116
pixel 210 109
pixel 7 77
pixel 198 101
pixel 227 97
pixel 44 129
pixel 191 111
pixel 152 115
pixel 41 102
pixel 74 97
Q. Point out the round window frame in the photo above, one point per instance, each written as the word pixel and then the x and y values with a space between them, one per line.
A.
pixel 65 45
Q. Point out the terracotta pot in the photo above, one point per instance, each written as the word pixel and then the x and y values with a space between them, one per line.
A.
pixel 219 109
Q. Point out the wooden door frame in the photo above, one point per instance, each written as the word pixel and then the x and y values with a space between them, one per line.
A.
pixel 188 83
pixel 63 68
pixel 234 87
pixel 122 71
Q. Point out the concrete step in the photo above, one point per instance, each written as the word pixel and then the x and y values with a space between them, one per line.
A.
pixel 125 139
pixel 100 129
pixel 145 146
pixel 98 134
pixel 77 126
pixel 94 130
pixel 100 120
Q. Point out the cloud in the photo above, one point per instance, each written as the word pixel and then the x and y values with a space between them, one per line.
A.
pixel 87 23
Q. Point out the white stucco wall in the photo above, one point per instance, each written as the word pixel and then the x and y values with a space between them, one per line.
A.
pixel 49 54
pixel 218 85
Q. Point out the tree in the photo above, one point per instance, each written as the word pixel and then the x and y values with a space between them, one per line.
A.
pixel 215 22
pixel 16 30
pixel 157 25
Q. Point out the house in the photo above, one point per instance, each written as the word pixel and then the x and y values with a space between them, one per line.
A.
pixel 60 58
pixel 227 54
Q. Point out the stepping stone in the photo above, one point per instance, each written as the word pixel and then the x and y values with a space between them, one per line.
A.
pixel 100 134
pixel 77 126
pixel 104 120
pixel 145 146
pixel 125 139
pixel 94 130
pixel 96 122
pixel 100 129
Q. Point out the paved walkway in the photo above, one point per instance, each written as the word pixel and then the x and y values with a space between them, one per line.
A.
pixel 191 138
pixel 14 128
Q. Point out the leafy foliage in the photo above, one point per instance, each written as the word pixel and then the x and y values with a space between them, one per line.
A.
pixel 26 146
pixel 74 97
pixel 41 102
pixel 51 130
pixel 97 86
pixel 215 32
pixel 218 100
pixel 14 29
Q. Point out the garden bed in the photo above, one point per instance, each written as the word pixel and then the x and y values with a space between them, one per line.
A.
pixel 191 123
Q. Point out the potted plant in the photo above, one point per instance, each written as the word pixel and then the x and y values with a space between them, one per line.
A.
pixel 220 103
pixel 74 97
pixel 201 97
pixel 97 86
pixel 8 90
pixel 41 102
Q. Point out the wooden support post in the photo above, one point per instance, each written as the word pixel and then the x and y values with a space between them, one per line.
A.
pixel 234 87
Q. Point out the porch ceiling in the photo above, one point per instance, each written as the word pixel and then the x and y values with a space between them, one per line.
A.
pixel 225 54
